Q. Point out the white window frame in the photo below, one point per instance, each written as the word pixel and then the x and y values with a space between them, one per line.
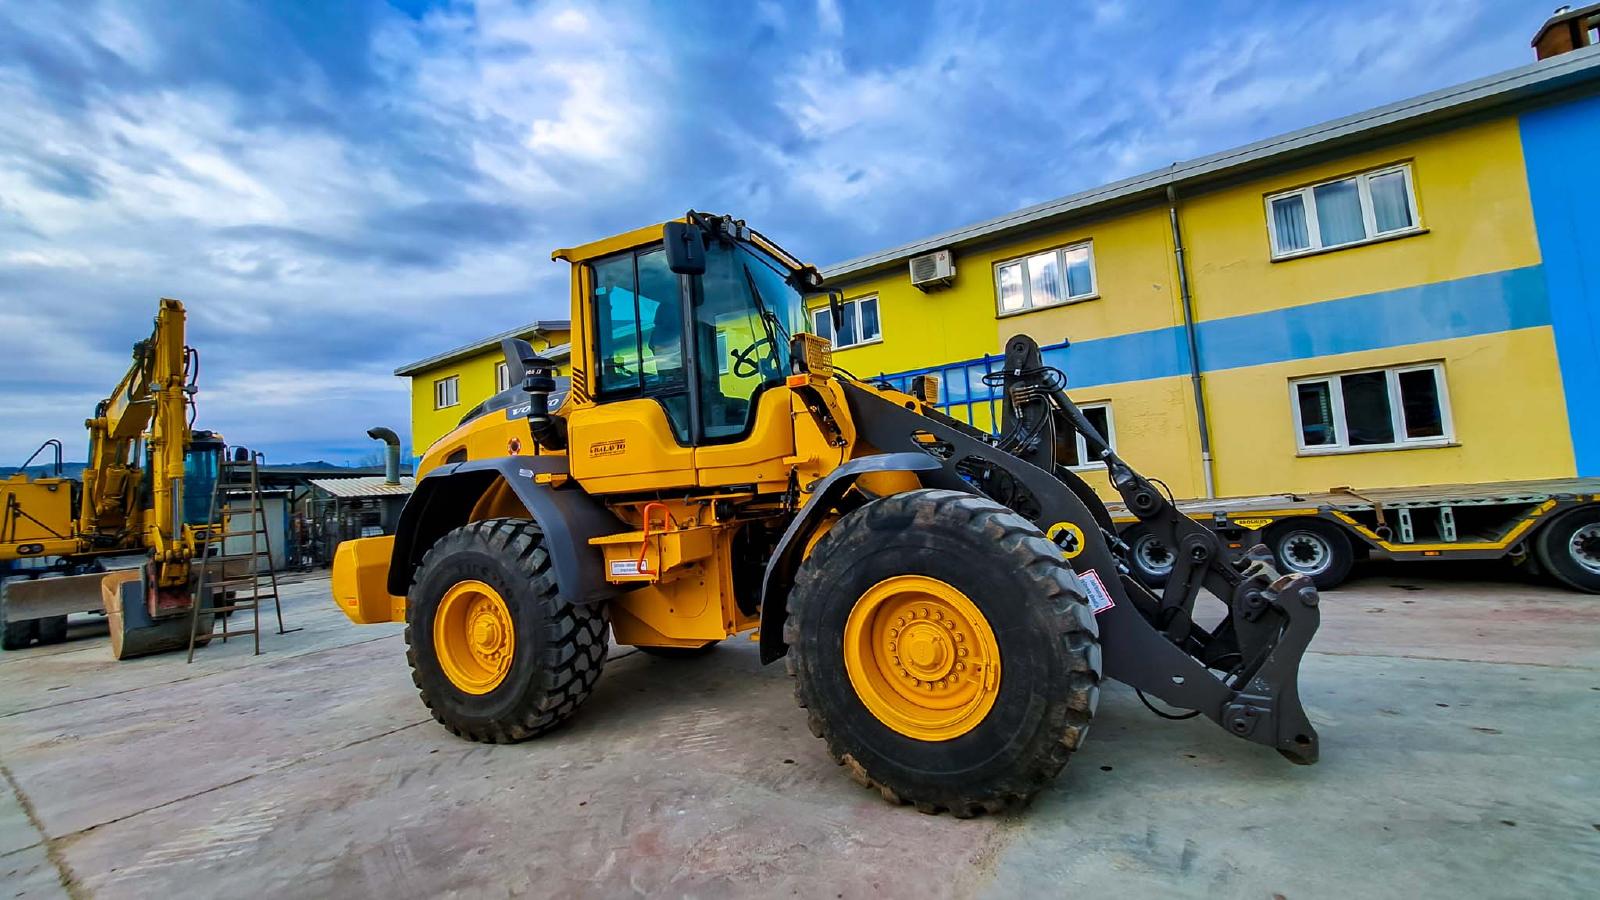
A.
pixel 502 376
pixel 1027 283
pixel 1341 428
pixel 1369 217
pixel 447 392
pixel 1110 436
pixel 852 307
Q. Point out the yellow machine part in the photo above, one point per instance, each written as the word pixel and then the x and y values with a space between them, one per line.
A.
pixel 922 657
pixel 35 517
pixel 695 604
pixel 361 581
pixel 473 637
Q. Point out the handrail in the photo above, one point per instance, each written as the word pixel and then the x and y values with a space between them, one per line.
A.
pixel 50 443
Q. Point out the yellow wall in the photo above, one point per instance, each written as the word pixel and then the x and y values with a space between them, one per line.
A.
pixel 477 384
pixel 1506 428
pixel 1134 279
pixel 1472 197
pixel 1504 388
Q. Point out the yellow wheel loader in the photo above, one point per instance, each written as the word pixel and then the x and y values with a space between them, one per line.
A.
pixel 948 601
pixel 121 539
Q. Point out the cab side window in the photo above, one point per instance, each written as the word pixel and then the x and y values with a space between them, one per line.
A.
pixel 639 333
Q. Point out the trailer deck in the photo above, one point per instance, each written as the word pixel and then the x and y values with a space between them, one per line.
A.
pixel 1457 521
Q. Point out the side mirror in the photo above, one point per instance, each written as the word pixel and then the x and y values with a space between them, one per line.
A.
pixel 836 310
pixel 686 248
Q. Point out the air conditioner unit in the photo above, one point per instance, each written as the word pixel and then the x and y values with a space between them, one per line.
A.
pixel 933 270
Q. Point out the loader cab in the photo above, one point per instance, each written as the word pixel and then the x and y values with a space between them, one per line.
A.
pixel 680 360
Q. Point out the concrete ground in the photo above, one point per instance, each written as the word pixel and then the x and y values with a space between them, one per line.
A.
pixel 1460 742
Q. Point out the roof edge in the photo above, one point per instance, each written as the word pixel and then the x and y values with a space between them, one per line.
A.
pixel 1500 89
pixel 535 327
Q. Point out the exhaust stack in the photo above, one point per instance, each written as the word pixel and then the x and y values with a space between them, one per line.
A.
pixel 391 452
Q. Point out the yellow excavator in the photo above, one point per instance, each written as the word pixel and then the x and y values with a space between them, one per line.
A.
pixel 948 600
pixel 122 539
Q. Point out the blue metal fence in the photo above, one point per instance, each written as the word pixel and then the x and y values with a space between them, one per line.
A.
pixel 962 393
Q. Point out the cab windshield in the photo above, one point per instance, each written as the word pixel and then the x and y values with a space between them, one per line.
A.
pixel 745 315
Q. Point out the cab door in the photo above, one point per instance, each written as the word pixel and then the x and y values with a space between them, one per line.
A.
pixel 747 425
pixel 638 434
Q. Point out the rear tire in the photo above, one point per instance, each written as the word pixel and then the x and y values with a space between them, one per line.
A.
pixel 1569 549
pixel 1035 624
pixel 1307 546
pixel 556 648
pixel 17 635
pixel 681 652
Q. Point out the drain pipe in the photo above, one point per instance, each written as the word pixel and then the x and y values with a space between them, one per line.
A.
pixel 1206 467
pixel 391 453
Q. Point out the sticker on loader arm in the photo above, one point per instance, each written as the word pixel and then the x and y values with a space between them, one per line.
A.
pixel 625 568
pixel 1067 536
pixel 1099 598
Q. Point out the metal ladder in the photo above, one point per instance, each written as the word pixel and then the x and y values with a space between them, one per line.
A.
pixel 237 489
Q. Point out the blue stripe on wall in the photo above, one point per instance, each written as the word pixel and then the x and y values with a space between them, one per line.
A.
pixel 1480 304
pixel 1559 149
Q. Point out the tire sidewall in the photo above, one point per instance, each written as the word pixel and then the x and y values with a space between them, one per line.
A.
pixel 1555 553
pixel 1339 547
pixel 1034 666
pixel 467 557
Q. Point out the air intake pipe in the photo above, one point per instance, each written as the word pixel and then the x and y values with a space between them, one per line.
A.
pixel 391 452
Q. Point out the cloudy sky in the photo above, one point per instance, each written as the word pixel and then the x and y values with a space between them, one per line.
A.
pixel 338 188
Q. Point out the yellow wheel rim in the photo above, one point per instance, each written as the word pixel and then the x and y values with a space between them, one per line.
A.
pixel 922 658
pixel 473 637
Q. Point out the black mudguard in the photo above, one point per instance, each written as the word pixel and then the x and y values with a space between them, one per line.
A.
pixel 785 560
pixel 568 517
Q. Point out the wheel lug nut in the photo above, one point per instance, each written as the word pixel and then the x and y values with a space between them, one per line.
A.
pixel 961 651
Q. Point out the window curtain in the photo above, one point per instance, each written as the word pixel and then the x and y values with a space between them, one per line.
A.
pixel 1390 206
pixel 1289 223
pixel 1339 213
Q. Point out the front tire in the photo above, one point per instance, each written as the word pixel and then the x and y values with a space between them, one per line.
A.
pixel 52 630
pixel 950 597
pixel 497 654
pixel 1569 549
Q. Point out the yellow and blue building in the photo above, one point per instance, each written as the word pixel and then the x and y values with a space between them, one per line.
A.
pixel 446 385
pixel 1406 296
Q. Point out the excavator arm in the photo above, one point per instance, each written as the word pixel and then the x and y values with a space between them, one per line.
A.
pixel 126 504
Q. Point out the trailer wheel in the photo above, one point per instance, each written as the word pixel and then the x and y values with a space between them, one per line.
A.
pixel 1150 558
pixel 1314 548
pixel 1569 549
pixel 496 652
pixel 681 652
pixel 944 651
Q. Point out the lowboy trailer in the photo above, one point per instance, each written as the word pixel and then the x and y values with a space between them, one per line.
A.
pixel 1551 524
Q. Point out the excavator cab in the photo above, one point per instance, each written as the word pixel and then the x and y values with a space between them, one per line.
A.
pixel 948 600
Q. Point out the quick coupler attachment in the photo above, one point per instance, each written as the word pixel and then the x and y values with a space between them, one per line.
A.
pixel 1266 708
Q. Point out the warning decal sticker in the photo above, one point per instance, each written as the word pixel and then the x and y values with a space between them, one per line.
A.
pixel 1099 598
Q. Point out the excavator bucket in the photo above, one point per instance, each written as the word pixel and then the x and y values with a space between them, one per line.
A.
pixel 134 630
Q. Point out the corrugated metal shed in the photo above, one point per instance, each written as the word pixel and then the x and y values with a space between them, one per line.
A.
pixel 365 486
